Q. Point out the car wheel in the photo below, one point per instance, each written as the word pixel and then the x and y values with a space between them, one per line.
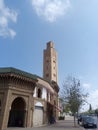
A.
pixel 95 126
pixel 85 126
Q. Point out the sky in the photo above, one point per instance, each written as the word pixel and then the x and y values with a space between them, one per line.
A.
pixel 27 25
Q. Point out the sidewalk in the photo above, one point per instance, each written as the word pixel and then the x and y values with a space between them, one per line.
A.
pixel 68 124
pixel 59 125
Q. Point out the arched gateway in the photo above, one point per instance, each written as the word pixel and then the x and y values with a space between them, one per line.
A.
pixel 17 113
pixel 16 97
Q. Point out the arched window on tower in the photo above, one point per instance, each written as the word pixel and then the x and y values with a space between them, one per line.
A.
pixel 47 75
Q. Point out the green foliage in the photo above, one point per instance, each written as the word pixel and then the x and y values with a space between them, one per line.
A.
pixel 66 108
pixel 96 111
pixel 90 109
pixel 72 94
pixel 61 117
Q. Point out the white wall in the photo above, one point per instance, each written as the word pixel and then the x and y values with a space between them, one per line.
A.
pixel 44 93
pixel 34 95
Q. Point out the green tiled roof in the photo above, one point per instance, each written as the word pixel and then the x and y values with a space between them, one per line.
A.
pixel 17 72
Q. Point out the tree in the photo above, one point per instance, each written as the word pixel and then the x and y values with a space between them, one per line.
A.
pixel 72 94
pixel 96 112
pixel 66 108
pixel 90 109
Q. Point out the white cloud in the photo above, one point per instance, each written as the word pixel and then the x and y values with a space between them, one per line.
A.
pixel 7 15
pixel 93 99
pixel 86 85
pixel 51 9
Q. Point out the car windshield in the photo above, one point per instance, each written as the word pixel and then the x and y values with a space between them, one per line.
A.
pixel 85 117
pixel 89 119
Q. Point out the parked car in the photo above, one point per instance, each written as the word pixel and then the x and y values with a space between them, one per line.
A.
pixel 89 122
pixel 81 118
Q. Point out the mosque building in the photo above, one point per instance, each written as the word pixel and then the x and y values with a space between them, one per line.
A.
pixel 28 100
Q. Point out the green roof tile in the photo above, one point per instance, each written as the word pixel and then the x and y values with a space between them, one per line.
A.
pixel 17 72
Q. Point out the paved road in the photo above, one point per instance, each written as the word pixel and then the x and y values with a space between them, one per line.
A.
pixel 67 124
pixel 60 125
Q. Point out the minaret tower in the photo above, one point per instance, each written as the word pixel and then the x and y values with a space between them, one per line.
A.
pixel 50 69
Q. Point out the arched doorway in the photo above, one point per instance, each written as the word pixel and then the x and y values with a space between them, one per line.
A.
pixel 17 113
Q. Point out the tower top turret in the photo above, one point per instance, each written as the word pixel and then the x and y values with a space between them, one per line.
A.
pixel 50 44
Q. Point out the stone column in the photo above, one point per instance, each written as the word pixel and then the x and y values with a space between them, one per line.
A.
pixel 5 111
pixel 32 111
pixel 25 119
pixel 45 119
pixel 29 111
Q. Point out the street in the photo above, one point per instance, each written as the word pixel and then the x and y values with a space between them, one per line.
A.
pixel 59 125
